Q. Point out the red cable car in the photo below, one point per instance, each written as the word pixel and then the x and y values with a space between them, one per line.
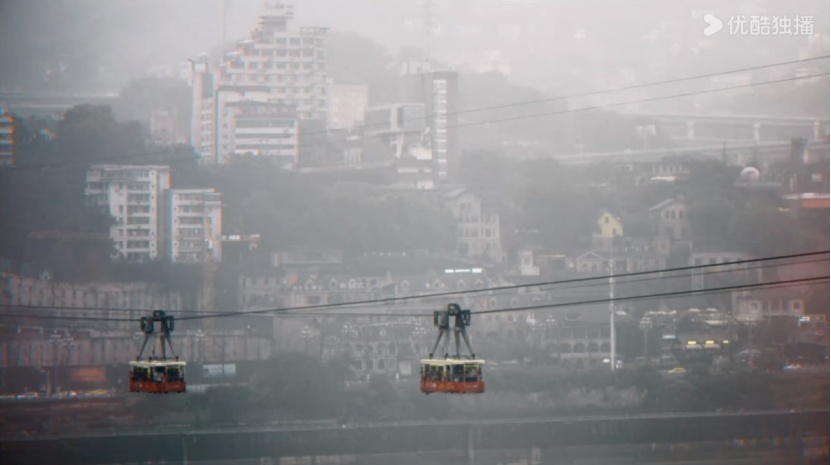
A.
pixel 453 374
pixel 157 374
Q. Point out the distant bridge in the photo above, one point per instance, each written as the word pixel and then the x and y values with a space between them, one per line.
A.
pixel 50 103
pixel 702 129
pixel 734 152
pixel 548 435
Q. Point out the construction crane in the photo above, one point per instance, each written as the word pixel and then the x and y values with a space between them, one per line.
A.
pixel 210 271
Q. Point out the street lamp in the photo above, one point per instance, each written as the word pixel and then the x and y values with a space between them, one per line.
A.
pixel 645 131
pixel 646 325
pixel 57 341
pixel 199 338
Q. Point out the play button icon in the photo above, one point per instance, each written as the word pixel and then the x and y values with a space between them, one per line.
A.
pixel 713 25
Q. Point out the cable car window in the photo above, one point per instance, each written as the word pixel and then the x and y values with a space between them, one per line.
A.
pixel 458 373
pixel 471 373
pixel 174 374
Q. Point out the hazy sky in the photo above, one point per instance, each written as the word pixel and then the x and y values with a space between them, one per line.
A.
pixel 538 38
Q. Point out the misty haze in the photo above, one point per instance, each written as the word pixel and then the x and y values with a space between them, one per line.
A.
pixel 414 232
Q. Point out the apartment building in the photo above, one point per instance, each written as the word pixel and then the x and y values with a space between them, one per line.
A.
pixel 132 196
pixel 264 129
pixel 277 65
pixel 193 218
pixel 477 225
pixel 438 90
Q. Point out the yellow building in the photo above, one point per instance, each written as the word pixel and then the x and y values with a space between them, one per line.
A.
pixel 609 227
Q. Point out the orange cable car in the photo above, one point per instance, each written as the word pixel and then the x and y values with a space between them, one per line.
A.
pixel 157 374
pixel 453 374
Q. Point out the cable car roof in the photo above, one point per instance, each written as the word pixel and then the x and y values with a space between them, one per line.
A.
pixel 157 363
pixel 438 362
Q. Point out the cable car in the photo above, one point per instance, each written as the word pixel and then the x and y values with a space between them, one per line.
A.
pixel 453 374
pixel 158 375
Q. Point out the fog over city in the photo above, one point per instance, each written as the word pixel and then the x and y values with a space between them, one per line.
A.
pixel 414 231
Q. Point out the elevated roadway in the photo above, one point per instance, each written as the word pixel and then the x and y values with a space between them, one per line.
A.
pixel 548 434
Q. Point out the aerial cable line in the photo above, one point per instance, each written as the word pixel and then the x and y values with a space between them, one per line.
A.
pixel 132 157
pixel 662 295
pixel 640 100
pixel 604 282
pixel 500 288
pixel 676 294
pixel 639 86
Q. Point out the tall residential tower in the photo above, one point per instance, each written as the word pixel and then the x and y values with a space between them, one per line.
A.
pixel 278 71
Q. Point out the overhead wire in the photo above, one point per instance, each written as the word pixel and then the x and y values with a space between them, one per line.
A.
pixel 500 291
pixel 491 290
pixel 554 305
pixel 497 288
pixel 640 100
pixel 662 295
pixel 132 157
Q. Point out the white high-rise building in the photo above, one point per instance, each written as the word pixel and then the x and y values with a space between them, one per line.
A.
pixel 277 67
pixel 132 196
pixel 193 218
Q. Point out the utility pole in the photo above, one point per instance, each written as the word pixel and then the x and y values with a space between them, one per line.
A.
pixel 612 358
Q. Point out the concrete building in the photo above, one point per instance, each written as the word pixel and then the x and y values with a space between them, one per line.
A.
pixel 478 225
pixel 193 218
pixel 132 196
pixel 264 129
pixel 347 104
pixel 438 90
pixel 276 66
pixel 109 297
pixel 761 304
pixel 669 219
pixel 6 138
pixel 203 122
pixel 403 127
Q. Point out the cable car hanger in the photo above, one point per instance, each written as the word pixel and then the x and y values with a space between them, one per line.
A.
pixel 461 320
